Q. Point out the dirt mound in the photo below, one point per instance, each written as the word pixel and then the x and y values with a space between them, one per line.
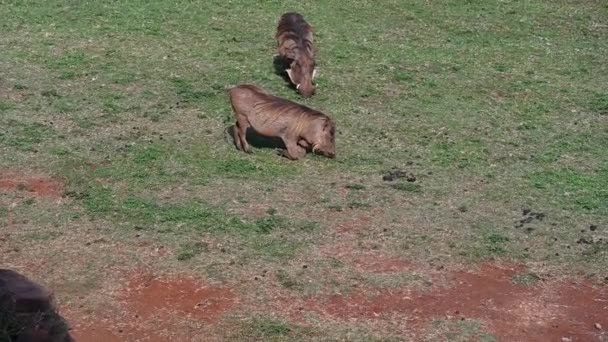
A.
pixel 37 185
pixel 512 312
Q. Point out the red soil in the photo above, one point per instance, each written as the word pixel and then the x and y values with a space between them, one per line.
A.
pixel 512 312
pixel 39 186
pixel 149 296
pixel 154 310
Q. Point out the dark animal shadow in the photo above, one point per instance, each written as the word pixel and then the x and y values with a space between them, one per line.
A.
pixel 257 140
pixel 280 65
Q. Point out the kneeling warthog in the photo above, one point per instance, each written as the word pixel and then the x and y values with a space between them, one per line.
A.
pixel 295 44
pixel 301 128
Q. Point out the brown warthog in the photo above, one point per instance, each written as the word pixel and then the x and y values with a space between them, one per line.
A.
pixel 295 44
pixel 301 128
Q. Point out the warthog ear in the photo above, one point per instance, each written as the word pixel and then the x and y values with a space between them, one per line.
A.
pixel 290 76
pixel 314 73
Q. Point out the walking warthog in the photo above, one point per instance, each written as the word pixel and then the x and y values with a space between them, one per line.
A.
pixel 295 44
pixel 301 128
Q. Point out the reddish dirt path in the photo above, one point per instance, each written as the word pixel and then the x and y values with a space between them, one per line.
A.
pixel 36 185
pixel 156 309
pixel 512 312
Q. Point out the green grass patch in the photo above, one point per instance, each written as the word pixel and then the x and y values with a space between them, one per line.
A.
pixel 25 136
pixel 572 189
pixel 407 187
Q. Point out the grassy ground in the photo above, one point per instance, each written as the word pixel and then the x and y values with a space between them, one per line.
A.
pixel 495 106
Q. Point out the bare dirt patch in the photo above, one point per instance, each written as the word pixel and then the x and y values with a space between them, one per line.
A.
pixel 512 312
pixel 157 309
pixel 36 185
pixel 148 296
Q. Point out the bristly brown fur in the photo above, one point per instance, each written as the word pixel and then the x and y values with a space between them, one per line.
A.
pixel 299 126
pixel 294 36
pixel 295 46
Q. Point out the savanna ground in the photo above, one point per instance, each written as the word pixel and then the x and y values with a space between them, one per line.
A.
pixel 121 191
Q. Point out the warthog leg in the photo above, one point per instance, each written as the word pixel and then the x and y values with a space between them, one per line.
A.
pixel 241 133
pixel 294 151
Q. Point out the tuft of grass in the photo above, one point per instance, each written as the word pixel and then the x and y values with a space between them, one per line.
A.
pixel 274 248
pixel 187 92
pixel 407 187
pixel 25 136
pixel 270 328
pixel 527 279
pixel 460 331
pixel 489 243
pixel 287 281
pixel 599 103
pixel 5 106
pixel 189 250
pixel 270 223
pixel 355 186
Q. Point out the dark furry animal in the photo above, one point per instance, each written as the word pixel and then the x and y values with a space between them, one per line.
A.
pixel 295 47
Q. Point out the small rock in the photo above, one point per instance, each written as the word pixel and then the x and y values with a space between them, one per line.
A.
pixel 598 326
pixel 592 227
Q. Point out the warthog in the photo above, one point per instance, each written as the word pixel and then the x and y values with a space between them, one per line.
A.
pixel 295 44
pixel 301 128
